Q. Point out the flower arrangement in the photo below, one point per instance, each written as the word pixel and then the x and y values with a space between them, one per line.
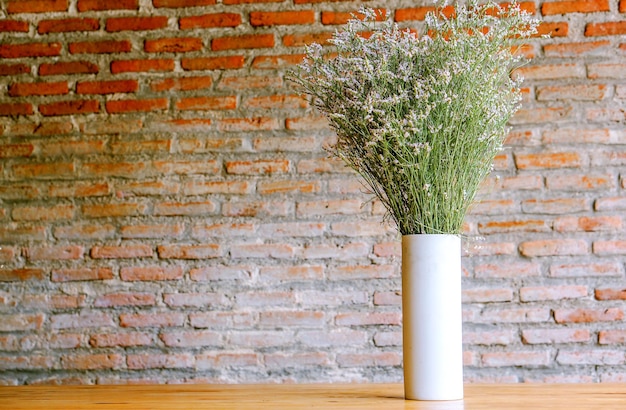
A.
pixel 421 117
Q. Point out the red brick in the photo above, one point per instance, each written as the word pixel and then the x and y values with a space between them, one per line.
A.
pixel 191 339
pixel 21 322
pixel 83 320
pixel 209 361
pixel 492 337
pixel 15 26
pixel 207 103
pixel 173 45
pixel 125 299
pixel 204 299
pixel 117 252
pixel 14 69
pixel 607 337
pixel 338 18
pixel 53 302
pixel 537 293
pixel 210 20
pixel 587 92
pixel 131 339
pixel 256 209
pixel 182 3
pixel 70 107
pixel 375 359
pixel 152 231
pixel 36 6
pixel 340 337
pixel 574 6
pixel 576 49
pixel 368 319
pixel 615 247
pixel 79 190
pixel 80 274
pixel 72 67
pixel 526 359
pixel 30 50
pixel 588 224
pixel 43 213
pixel 92 361
pixel 248 124
pixel 107 87
pixel 122 169
pixel 280 187
pixel 216 187
pixel 299 40
pixel 160 361
pixel 419 13
pixel 10 109
pixel 137 66
pixel 43 128
pixel 229 2
pixel 552 336
pixel 306 123
pixel 586 269
pixel 552 29
pixel 579 182
pixel 123 106
pixel 7 254
pixel 548 160
pixel 582 315
pixel 269 18
pixel 212 63
pixel 205 251
pixel 610 294
pixel 551 71
pixel 541 115
pixel 100 47
pixel 487 295
pixel 555 206
pixel 590 357
pixel 68 25
pixel 554 247
pixel 611 28
pixel 240 42
pixel 20 275
pixel 277 61
pixel 116 24
pixel 16 150
pixel 61 252
pixel 151 273
pixel 44 170
pixel 100 5
pixel 182 84
pixel 188 208
pixel 28 89
pixel 282 360
pixel 31 362
pixel 529 225
pixel 152 319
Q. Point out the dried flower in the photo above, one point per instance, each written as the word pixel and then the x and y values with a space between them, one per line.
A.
pixel 421 117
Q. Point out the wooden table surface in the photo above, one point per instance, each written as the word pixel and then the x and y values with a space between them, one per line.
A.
pixel 310 396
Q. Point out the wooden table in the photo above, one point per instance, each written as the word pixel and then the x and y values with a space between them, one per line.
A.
pixel 311 396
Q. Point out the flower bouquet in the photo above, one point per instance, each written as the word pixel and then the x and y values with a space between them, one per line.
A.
pixel 421 116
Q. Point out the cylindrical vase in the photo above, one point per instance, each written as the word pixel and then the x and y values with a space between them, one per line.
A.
pixel 432 318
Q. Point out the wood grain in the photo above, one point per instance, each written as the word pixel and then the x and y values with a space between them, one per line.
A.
pixel 322 396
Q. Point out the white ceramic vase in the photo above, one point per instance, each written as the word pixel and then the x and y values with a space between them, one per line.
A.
pixel 432 320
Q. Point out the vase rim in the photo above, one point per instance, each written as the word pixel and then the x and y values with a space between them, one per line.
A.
pixel 431 234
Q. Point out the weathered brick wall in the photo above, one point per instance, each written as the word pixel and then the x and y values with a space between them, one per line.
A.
pixel 168 214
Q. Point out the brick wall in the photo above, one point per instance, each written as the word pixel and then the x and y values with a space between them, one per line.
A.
pixel 168 214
